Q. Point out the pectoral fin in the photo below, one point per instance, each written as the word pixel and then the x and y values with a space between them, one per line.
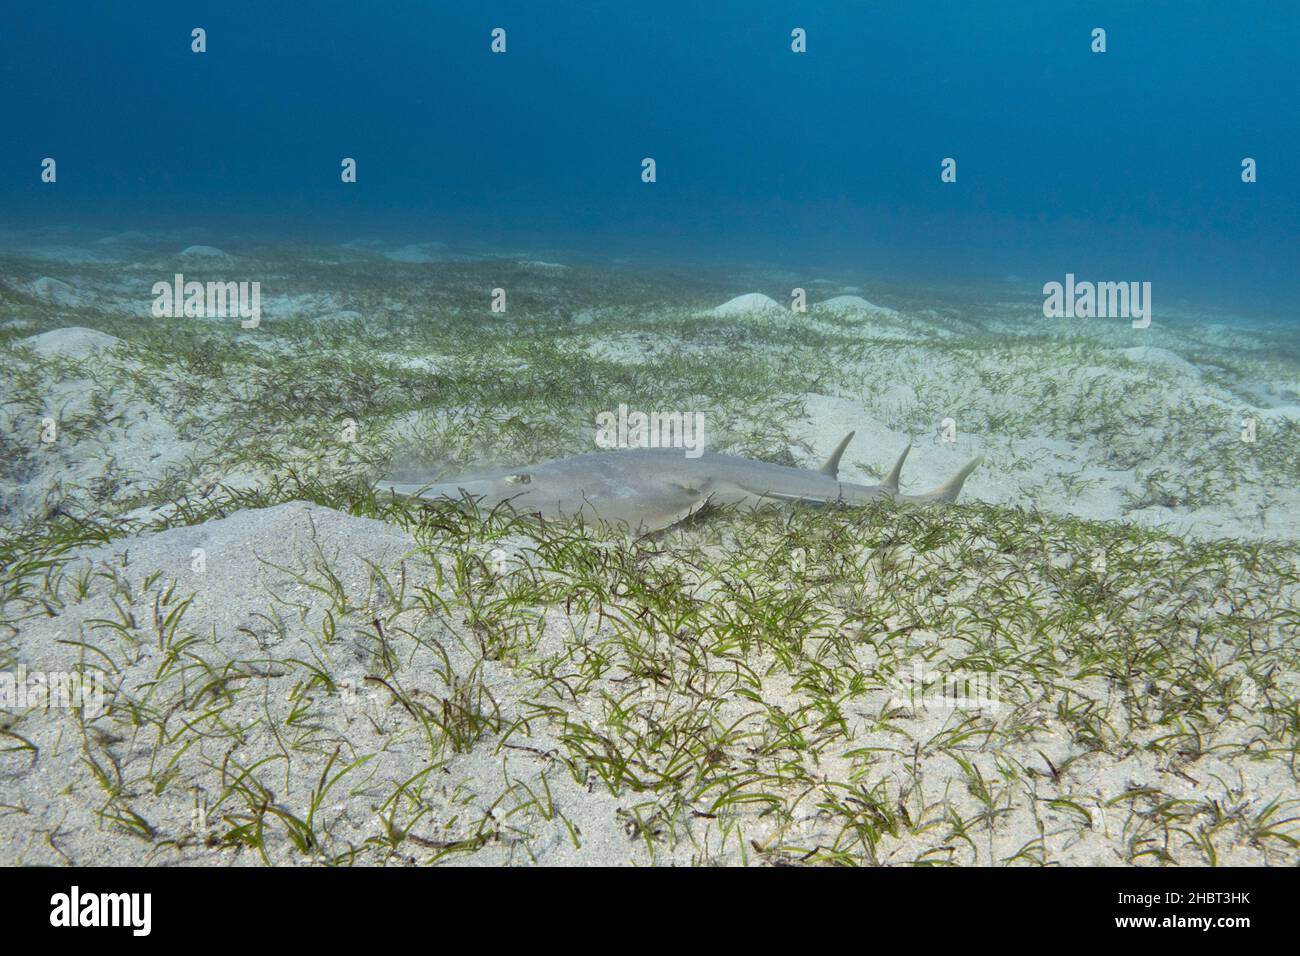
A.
pixel 797 499
pixel 654 507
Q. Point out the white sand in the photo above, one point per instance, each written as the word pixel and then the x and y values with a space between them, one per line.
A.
pixel 749 304
pixel 252 563
pixel 55 292
pixel 72 342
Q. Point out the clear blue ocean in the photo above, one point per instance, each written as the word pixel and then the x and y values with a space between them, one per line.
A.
pixel 1124 164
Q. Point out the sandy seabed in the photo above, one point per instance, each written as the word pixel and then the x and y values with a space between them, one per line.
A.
pixel 1093 659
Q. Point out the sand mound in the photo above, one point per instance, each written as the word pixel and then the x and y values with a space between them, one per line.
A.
pixel 1150 355
pixel 249 595
pixel 418 253
pixel 80 445
pixel 753 302
pixel 241 552
pixel 852 303
pixel 54 291
pixel 211 253
pixel 72 342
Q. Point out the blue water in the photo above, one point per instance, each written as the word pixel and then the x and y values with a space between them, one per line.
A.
pixel 1116 166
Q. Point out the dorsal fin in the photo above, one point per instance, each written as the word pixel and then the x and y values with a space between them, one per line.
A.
pixel 890 484
pixel 949 490
pixel 832 467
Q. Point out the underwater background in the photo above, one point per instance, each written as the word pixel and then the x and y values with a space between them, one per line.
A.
pixel 285 576
pixel 1122 164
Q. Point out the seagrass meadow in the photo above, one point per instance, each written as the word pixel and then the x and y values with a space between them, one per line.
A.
pixel 1092 658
